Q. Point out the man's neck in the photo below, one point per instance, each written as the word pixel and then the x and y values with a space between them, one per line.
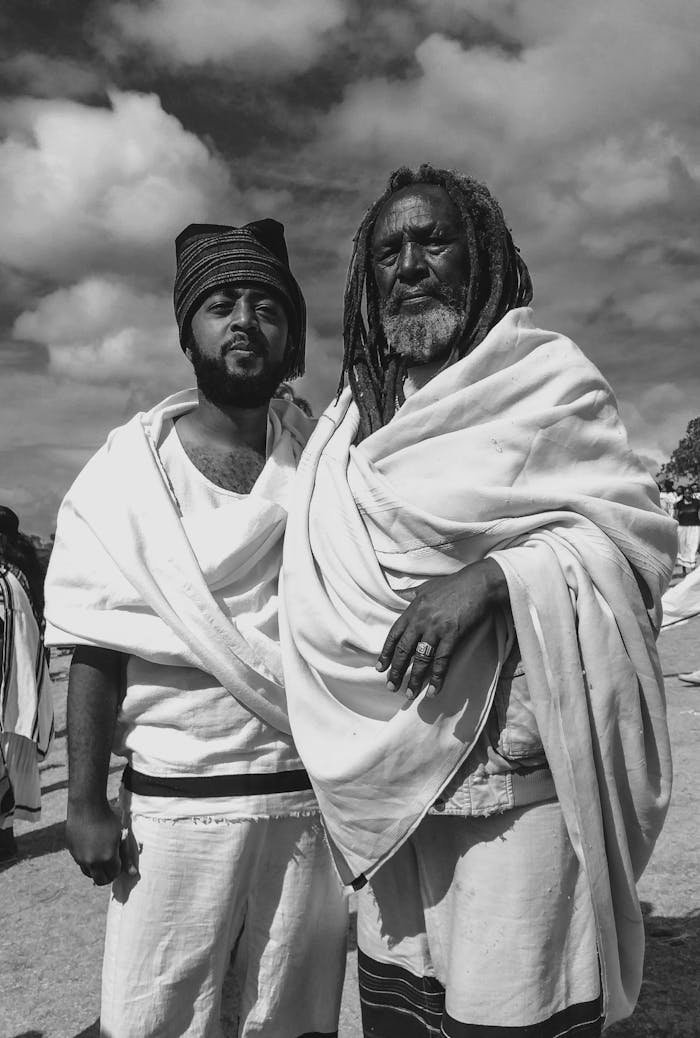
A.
pixel 224 426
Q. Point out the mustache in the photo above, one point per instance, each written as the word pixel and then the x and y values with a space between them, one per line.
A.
pixel 445 295
pixel 245 340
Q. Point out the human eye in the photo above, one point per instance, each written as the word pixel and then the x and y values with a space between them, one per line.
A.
pixel 437 242
pixel 267 308
pixel 385 254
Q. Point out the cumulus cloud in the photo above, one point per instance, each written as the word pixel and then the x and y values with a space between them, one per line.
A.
pixel 577 71
pixel 104 331
pixel 583 120
pixel 49 427
pixel 269 39
pixel 85 188
pixel 657 419
pixel 42 76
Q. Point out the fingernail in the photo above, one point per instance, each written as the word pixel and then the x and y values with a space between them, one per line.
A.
pixel 391 686
pixel 410 693
pixel 133 871
pixel 431 691
pixel 379 666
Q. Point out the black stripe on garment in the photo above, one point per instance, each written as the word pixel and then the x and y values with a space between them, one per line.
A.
pixel 215 785
pixel 397 1004
pixel 583 1020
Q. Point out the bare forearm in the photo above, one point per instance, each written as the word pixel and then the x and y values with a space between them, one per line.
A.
pixel 94 688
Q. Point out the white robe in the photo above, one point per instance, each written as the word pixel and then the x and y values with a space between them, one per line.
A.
pixel 516 451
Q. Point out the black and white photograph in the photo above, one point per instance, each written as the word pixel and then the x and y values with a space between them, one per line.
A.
pixel 349 519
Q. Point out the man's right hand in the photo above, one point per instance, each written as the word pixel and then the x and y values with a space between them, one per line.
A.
pixel 93 835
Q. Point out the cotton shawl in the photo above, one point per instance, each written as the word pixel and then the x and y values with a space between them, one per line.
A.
pixel 516 451
pixel 127 574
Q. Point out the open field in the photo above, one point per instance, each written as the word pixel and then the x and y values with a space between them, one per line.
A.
pixel 53 918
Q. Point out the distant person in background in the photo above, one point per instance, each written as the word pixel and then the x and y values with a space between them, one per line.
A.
pixel 695 491
pixel 688 516
pixel 668 497
pixel 26 707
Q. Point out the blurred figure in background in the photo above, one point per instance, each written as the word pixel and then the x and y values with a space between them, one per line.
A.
pixel 26 707
pixel 688 516
pixel 668 497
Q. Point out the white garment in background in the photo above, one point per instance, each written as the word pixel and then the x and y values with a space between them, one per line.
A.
pixel 688 543
pixel 26 704
pixel 682 602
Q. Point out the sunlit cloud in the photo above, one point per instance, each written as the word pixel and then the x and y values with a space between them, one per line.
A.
pixel 269 39
pixel 85 188
pixel 103 330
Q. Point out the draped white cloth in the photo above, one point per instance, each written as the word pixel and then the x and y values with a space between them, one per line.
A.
pixel 682 602
pixel 517 451
pixel 127 574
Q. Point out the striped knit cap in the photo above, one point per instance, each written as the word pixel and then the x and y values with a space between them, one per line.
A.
pixel 210 255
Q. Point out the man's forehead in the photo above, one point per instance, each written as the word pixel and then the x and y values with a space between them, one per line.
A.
pixel 417 204
pixel 255 289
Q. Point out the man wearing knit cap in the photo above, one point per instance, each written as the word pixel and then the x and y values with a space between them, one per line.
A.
pixel 164 575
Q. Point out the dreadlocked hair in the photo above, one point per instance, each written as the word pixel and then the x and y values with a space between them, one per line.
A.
pixel 498 281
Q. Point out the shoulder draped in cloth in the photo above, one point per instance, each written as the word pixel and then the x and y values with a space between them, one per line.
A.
pixel 126 574
pixel 516 451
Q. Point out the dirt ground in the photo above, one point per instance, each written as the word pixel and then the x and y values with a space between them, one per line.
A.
pixel 52 918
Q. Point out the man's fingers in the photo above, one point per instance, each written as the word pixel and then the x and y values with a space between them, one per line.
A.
pixel 441 662
pixel 392 638
pixel 403 652
pixel 422 665
pixel 106 872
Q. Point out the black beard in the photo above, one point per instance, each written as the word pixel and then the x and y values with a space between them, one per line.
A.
pixel 220 387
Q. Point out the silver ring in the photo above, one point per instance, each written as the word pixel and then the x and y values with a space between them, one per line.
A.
pixel 425 650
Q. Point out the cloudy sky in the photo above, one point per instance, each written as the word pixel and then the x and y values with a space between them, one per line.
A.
pixel 121 122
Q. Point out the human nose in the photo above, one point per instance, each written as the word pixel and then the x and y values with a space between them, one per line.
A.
pixel 411 265
pixel 243 314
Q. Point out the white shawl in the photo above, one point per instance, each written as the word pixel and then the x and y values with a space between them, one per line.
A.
pixel 517 451
pixel 126 574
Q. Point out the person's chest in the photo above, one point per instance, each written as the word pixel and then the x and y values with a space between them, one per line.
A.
pixel 235 470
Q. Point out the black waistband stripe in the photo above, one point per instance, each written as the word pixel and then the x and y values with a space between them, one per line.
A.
pixel 249 785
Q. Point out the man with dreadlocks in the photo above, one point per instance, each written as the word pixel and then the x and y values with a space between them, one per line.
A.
pixel 469 508
pixel 164 574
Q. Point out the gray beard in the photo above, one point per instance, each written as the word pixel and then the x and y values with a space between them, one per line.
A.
pixel 427 334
